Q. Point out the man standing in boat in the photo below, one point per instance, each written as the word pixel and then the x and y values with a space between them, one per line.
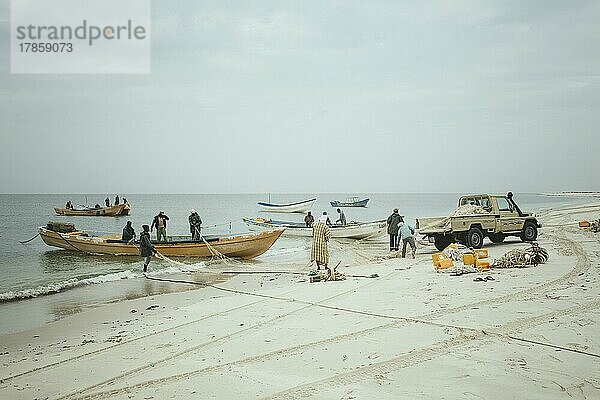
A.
pixel 342 218
pixel 160 222
pixel 195 224
pixel 146 247
pixel 116 200
pixel 392 229
pixel 128 233
pixel 107 202
pixel 321 236
pixel 309 220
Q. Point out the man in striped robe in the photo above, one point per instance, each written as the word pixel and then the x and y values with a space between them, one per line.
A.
pixel 321 236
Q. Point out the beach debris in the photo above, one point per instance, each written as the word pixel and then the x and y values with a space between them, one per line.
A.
pixel 522 258
pixel 133 311
pixel 588 226
pixel 152 307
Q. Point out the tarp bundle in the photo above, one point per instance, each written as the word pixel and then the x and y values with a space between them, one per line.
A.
pixel 466 209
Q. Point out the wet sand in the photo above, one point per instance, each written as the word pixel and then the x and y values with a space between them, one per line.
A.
pixel 411 333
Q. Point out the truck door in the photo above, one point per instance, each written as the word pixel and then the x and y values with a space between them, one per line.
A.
pixel 509 217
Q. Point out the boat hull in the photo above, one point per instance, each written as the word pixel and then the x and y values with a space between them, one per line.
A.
pixel 300 207
pixel 361 203
pixel 113 211
pixel 245 246
pixel 367 230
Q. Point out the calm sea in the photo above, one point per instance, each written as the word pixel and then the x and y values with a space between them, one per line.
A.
pixel 48 283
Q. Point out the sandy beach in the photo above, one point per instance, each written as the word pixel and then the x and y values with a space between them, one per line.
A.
pixel 410 333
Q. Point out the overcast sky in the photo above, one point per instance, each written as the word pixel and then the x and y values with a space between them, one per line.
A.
pixel 321 96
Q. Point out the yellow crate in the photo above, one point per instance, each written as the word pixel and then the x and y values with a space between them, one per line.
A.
pixel 444 263
pixel 482 265
pixel 468 258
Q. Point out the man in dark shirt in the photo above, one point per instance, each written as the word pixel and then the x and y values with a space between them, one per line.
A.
pixel 160 222
pixel 309 220
pixel 195 224
pixel 146 247
pixel 128 232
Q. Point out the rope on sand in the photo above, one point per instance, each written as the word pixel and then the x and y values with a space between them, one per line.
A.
pixel 372 314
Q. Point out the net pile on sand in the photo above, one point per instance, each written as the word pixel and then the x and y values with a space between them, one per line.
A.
pixel 522 258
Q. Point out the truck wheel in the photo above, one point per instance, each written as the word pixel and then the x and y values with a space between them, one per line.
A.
pixel 529 232
pixel 442 241
pixel 497 237
pixel 475 238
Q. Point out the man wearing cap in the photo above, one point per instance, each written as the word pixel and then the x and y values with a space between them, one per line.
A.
pixel 392 229
pixel 160 222
pixel 195 224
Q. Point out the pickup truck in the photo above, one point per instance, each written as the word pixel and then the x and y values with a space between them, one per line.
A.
pixel 492 216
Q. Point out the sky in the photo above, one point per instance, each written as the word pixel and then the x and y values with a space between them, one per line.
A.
pixel 313 97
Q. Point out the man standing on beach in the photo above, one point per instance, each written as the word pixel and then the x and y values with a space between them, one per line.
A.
pixel 321 236
pixel 406 233
pixel 195 224
pixel 160 222
pixel 392 229
pixel 146 247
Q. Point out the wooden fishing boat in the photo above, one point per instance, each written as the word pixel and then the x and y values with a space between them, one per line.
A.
pixel 353 230
pixel 242 246
pixel 299 207
pixel 350 202
pixel 112 211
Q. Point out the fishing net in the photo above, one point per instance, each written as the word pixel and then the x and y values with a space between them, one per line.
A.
pixel 522 258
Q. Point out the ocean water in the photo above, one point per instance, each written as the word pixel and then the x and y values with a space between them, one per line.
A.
pixel 49 283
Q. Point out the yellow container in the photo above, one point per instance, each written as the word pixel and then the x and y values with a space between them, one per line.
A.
pixel 481 253
pixel 482 265
pixel 468 259
pixel 437 257
pixel 444 263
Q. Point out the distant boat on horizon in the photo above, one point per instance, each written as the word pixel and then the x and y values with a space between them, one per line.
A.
pixel 350 202
pixel 298 207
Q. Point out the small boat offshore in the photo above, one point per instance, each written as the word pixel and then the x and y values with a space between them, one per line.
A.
pixel 351 202
pixel 299 207
pixel 112 211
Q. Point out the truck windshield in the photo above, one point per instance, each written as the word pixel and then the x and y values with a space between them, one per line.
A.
pixel 503 204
